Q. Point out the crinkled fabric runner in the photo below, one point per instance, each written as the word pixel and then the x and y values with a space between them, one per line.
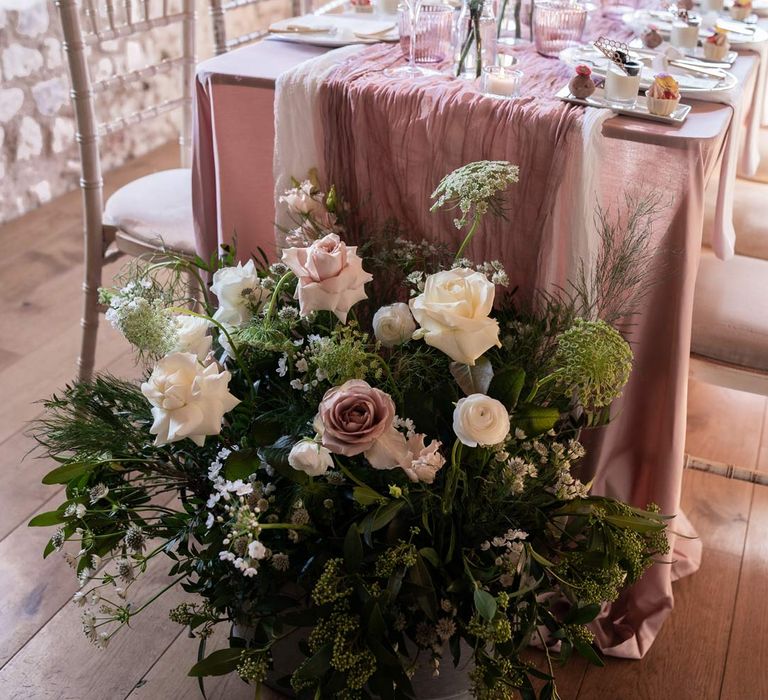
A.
pixel 387 144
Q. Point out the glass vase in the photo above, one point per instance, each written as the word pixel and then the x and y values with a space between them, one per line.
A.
pixel 475 38
pixel 557 25
pixel 433 33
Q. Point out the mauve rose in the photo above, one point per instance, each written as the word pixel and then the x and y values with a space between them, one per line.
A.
pixel 353 416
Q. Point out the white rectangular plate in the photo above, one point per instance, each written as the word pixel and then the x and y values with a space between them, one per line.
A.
pixel 639 110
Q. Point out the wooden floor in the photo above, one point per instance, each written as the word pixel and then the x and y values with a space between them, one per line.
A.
pixel 715 645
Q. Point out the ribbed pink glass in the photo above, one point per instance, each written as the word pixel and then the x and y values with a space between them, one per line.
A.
pixel 557 25
pixel 434 28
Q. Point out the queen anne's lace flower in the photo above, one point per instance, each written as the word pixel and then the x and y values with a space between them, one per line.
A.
pixel 475 187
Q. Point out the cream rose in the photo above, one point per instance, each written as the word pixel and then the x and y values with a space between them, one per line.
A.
pixel 453 312
pixel 480 420
pixel 310 457
pixel 192 336
pixel 393 325
pixel 331 276
pixel 232 285
pixel 188 400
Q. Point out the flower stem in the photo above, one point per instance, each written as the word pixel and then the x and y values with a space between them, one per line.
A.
pixel 475 223
pixel 452 479
pixel 276 293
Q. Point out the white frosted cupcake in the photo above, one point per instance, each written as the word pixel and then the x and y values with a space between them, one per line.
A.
pixel 716 46
pixel 663 96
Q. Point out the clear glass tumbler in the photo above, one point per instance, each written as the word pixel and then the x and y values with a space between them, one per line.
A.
pixel 434 28
pixel 557 25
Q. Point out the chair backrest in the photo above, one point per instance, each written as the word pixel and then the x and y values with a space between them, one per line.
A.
pixel 218 10
pixel 85 28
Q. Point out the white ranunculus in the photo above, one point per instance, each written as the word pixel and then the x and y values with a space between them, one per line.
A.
pixel 310 457
pixel 480 420
pixel 453 312
pixel 188 400
pixel 393 325
pixel 231 285
pixel 192 335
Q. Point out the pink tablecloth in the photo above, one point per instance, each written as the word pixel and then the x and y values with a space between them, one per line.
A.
pixel 387 144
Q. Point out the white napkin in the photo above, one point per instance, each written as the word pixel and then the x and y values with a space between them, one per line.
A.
pixel 344 28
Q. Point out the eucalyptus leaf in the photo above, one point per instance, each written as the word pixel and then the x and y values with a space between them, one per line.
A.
pixel 473 379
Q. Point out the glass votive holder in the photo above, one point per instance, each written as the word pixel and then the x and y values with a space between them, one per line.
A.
pixel 621 88
pixel 434 29
pixel 712 5
pixel 499 81
pixel 557 25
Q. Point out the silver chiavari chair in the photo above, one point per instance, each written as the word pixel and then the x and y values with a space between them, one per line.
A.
pixel 154 213
pixel 729 344
pixel 218 10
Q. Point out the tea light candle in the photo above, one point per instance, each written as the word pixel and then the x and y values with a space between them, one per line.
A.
pixel 500 81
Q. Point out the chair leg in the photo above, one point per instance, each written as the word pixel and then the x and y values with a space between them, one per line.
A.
pixel 90 329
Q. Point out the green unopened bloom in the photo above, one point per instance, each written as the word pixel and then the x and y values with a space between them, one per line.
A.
pixel 594 361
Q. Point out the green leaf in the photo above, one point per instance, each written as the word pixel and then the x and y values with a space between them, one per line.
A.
pixel 315 666
pixel 588 652
pixel 431 556
pixel 240 465
pixel 218 663
pixel 65 473
pixel 485 604
pixel 366 496
pixel 630 522
pixel 52 517
pixel 385 514
pixel 580 616
pixel 535 420
pixel 353 549
pixel 507 385
pixel 542 560
pixel 265 433
pixel 473 379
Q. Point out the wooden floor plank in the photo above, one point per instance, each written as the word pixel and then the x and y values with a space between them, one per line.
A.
pixel 687 660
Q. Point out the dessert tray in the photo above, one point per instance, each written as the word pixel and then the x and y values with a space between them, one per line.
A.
pixel 692 82
pixel 639 109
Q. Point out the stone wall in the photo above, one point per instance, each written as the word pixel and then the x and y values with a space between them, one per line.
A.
pixel 38 156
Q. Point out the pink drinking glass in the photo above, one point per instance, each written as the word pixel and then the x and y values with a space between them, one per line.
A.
pixel 434 27
pixel 557 25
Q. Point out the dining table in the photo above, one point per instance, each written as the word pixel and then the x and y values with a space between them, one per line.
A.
pixel 273 110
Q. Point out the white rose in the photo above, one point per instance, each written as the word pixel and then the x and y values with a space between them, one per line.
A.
pixel 310 457
pixel 188 400
pixel 480 420
pixel 331 276
pixel 192 335
pixel 393 325
pixel 453 312
pixel 229 283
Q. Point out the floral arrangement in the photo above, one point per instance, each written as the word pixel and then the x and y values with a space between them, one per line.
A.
pixel 388 490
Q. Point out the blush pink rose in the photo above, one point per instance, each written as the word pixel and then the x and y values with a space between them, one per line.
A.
pixel 331 276
pixel 353 417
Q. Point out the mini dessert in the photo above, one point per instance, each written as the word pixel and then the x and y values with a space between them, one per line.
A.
pixel 652 38
pixel 716 46
pixel 741 9
pixel 685 31
pixel 663 96
pixel 685 4
pixel 622 82
pixel 582 85
pixel 712 5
